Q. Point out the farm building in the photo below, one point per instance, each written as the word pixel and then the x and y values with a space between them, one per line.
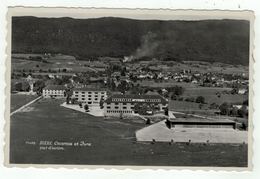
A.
pixel 120 105
pixel 90 96
pixel 54 91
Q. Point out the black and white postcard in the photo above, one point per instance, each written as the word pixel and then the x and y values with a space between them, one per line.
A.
pixel 129 88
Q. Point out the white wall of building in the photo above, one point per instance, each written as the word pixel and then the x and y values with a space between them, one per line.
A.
pixel 53 93
pixel 89 97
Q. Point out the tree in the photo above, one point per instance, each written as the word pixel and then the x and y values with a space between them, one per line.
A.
pixel 190 99
pixel 245 102
pixel 80 105
pixel 166 111
pixel 123 70
pixel 224 108
pixel 86 108
pixel 38 86
pixel 243 111
pixel 148 121
pixel 123 86
pixel 234 111
pixel 68 94
pixel 200 99
pixel 213 106
pixel 244 127
pixel 101 103
pixel 168 124
pixel 73 100
pixel 173 97
pixel 21 86
pixel 234 91
pixel 142 108
pixel 176 90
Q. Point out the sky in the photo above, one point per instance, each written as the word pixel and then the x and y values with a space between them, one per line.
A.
pixel 142 14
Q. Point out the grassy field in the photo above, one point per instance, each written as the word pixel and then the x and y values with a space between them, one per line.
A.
pixel 18 100
pixel 112 141
pixel 193 90
pixel 22 62
pixel 173 66
pixel 209 93
pixel 164 84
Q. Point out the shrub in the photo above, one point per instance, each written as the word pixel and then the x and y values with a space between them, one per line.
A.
pixel 86 108
pixel 80 105
pixel 224 108
pixel 180 99
pixel 200 99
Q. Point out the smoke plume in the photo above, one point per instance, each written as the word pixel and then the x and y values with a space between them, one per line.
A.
pixel 148 46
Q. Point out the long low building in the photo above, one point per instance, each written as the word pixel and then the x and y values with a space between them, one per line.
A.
pixel 125 105
pixel 90 96
pixel 193 133
pixel 200 123
pixel 54 91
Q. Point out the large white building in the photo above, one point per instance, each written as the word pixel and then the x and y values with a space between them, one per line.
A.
pixel 125 105
pixel 54 91
pixel 90 96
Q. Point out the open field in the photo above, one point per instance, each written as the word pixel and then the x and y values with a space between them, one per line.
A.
pixel 209 93
pixel 164 84
pixel 193 90
pixel 191 108
pixel 195 66
pixel 112 141
pixel 18 100
pixel 160 132
pixel 56 62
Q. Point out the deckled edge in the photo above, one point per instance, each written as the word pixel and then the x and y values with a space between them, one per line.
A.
pixel 251 133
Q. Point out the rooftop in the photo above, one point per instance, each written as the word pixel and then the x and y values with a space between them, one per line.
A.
pixel 152 93
pixel 136 98
pixel 200 120
pixel 90 89
pixel 160 132
pixel 55 87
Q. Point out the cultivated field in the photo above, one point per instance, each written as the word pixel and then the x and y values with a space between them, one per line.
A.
pixel 112 141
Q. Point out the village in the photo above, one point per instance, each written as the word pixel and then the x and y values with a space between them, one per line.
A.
pixel 159 93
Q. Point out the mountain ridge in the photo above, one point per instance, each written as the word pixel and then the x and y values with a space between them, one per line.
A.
pixel 206 40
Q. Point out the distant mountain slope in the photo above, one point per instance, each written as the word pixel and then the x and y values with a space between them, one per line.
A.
pixel 208 40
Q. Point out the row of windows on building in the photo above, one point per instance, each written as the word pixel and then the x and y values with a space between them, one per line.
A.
pixel 132 103
pixel 54 92
pixel 111 111
pixel 116 107
pixel 53 95
pixel 139 100
pixel 201 126
pixel 90 92
pixel 89 99
pixel 96 96
pixel 122 103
